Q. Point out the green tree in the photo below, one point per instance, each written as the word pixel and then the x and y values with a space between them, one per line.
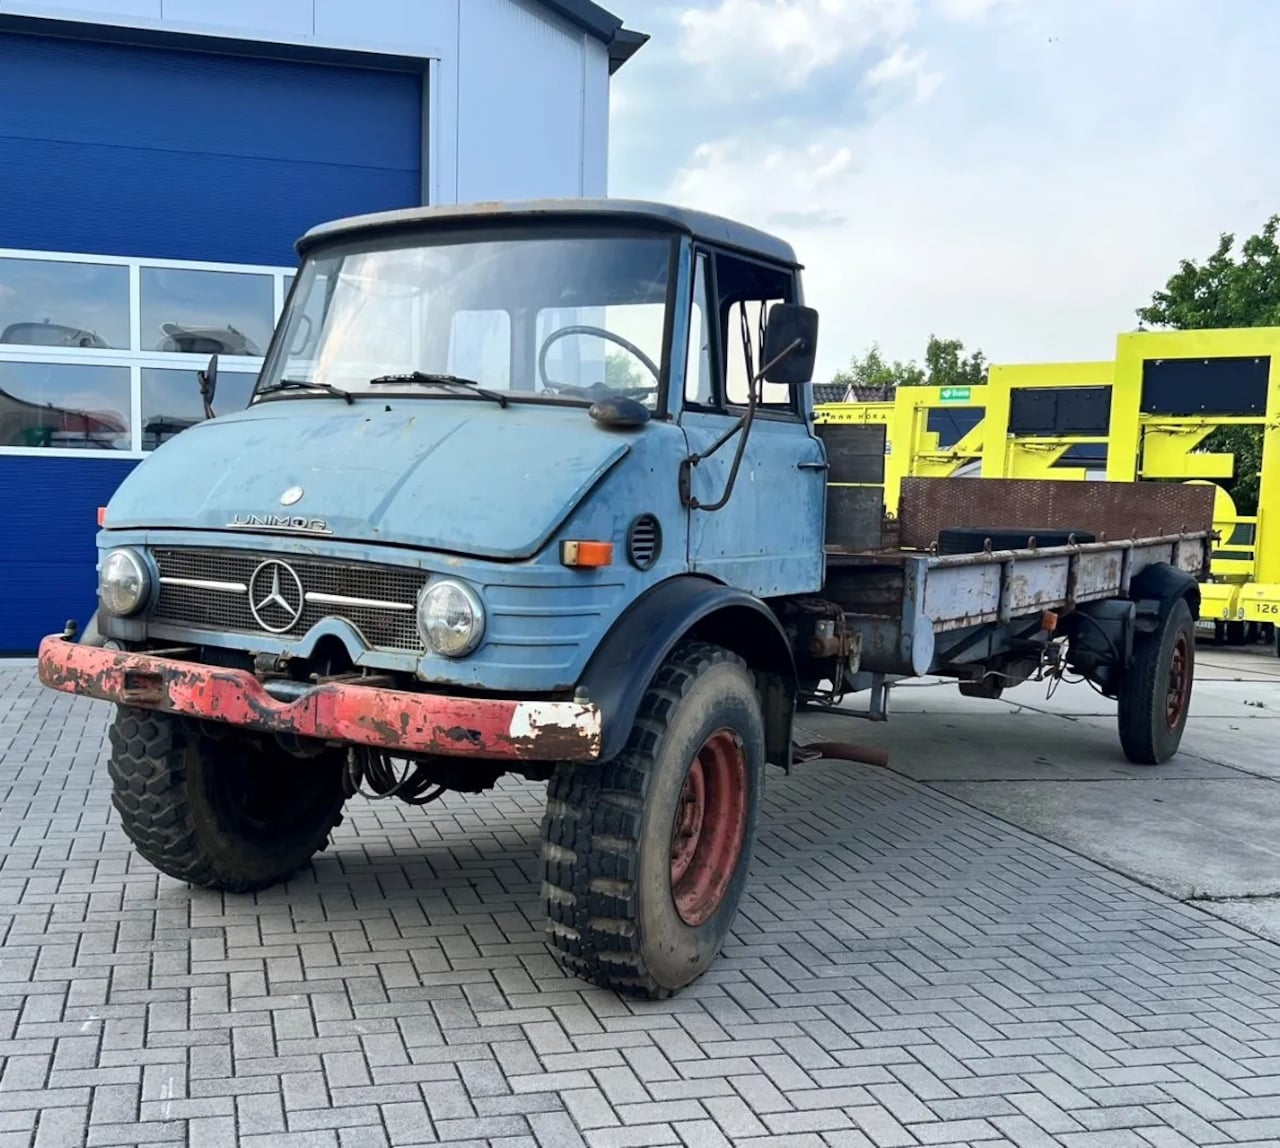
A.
pixel 945 365
pixel 872 372
pixel 1227 290
pixel 622 372
pixel 1224 290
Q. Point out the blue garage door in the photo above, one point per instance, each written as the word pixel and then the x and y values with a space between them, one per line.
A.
pixel 127 150
pixel 155 153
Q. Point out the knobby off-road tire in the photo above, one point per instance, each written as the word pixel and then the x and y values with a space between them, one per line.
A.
pixel 645 857
pixel 1155 695
pixel 217 808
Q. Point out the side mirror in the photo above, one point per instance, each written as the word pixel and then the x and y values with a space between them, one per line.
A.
pixel 208 380
pixel 790 344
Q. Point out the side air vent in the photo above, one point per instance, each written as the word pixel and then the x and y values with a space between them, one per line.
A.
pixel 644 542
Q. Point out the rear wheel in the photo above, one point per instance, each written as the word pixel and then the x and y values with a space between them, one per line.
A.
pixel 1155 695
pixel 645 857
pixel 217 808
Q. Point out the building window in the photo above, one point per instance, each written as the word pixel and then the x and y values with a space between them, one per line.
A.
pixel 99 354
pixel 67 406
pixel 206 312
pixel 171 400
pixel 55 303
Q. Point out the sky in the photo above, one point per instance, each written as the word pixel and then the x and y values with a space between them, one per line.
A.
pixel 1017 174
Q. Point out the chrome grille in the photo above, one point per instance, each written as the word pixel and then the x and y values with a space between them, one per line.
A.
pixel 368 595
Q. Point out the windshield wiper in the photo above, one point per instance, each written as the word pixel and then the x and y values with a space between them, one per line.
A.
pixel 431 379
pixel 308 385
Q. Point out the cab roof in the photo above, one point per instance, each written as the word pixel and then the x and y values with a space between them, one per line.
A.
pixel 698 224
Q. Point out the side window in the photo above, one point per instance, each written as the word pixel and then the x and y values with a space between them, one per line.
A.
pixel 698 388
pixel 747 291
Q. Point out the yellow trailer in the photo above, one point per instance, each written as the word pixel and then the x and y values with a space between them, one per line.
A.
pixel 1047 420
pixel 1172 390
pixel 930 432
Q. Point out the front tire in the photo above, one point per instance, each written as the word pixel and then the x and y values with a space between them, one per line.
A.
pixel 217 808
pixel 645 857
pixel 1155 695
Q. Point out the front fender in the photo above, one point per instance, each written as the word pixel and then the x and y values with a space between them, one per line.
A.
pixel 626 661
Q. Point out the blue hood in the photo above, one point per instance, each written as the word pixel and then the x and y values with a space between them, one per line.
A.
pixel 460 475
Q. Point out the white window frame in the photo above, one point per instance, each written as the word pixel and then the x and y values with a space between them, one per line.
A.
pixel 134 358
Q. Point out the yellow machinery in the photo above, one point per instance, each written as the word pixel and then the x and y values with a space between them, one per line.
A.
pixel 1172 389
pixel 931 432
pixel 1047 420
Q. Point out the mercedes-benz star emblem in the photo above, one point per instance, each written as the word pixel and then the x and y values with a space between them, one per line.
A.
pixel 292 495
pixel 276 596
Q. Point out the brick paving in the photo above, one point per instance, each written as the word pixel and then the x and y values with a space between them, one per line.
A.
pixel 904 971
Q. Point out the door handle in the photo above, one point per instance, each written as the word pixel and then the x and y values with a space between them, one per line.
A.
pixel 812 466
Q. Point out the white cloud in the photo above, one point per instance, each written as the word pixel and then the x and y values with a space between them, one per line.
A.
pixel 1031 211
pixel 781 44
pixel 904 67
pixel 967 9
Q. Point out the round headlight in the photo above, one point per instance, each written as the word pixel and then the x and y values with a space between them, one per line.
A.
pixel 123 583
pixel 451 618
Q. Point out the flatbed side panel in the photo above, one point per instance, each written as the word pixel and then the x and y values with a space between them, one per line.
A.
pixel 959 596
pixel 898 608
pixel 969 589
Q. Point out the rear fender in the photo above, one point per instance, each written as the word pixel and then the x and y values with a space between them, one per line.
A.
pixel 630 655
pixel 1155 589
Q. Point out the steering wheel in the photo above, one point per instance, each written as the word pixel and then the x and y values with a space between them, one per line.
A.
pixel 596 390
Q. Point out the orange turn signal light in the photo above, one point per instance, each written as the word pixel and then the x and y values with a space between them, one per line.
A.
pixel 102 515
pixel 588 554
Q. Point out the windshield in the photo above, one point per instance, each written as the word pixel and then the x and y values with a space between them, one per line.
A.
pixel 568 319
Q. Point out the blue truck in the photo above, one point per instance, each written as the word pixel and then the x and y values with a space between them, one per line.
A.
pixel 535 489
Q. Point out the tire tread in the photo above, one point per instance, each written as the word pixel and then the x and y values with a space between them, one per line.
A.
pixel 594 812
pixel 148 767
pixel 1142 689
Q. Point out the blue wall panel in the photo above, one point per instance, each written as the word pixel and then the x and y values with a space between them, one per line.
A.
pixel 128 150
pixel 48 523
pixel 159 153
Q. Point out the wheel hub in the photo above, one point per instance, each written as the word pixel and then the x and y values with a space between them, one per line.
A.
pixel 709 827
pixel 1179 683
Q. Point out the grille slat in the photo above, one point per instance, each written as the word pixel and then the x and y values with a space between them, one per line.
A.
pixel 223 609
pixel 644 542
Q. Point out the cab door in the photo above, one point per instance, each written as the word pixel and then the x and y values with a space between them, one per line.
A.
pixel 767 538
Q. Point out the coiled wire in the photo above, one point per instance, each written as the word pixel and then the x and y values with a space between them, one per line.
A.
pixel 412 786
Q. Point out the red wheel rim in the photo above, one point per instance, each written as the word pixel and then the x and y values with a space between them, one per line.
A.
pixel 709 827
pixel 1179 687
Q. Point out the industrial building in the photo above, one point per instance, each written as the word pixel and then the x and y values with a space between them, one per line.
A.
pixel 160 159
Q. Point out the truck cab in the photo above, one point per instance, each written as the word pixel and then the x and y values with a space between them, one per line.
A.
pixel 513 480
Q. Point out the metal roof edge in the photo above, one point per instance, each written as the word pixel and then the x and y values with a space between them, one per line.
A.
pixel 623 43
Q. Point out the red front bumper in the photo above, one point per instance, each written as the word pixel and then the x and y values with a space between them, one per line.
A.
pixel 396 721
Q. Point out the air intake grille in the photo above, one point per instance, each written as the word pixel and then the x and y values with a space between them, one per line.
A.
pixel 379 601
pixel 644 542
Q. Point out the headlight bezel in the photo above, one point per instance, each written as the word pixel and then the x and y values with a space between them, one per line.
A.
pixel 141 569
pixel 474 603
